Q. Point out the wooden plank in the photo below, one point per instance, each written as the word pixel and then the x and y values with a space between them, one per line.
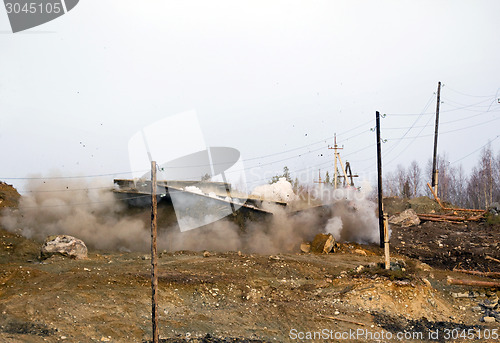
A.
pixel 492 259
pixel 494 275
pixel 475 283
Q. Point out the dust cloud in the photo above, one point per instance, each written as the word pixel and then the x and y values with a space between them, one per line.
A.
pixel 353 215
pixel 346 213
pixel 88 211
pixel 91 212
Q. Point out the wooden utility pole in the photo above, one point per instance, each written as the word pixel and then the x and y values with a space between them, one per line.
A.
pixel 434 159
pixel 337 158
pixel 335 173
pixel 154 256
pixel 319 177
pixel 320 182
pixel 386 242
pixel 379 171
pixel 351 175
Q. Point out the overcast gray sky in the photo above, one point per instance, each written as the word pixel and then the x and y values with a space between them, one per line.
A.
pixel 264 77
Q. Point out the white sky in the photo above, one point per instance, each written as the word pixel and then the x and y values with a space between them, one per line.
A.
pixel 263 76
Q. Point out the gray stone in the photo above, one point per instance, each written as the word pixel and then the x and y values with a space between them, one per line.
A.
pixel 63 245
pixel 490 304
pixel 460 295
pixel 494 208
pixel 489 319
pixel 405 219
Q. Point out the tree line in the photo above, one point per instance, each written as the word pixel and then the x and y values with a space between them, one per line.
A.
pixel 477 189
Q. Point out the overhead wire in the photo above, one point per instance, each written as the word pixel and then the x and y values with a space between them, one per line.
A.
pixel 445 132
pixel 464 157
pixel 399 140
pixel 414 123
pixel 469 95
pixel 442 123
pixel 145 171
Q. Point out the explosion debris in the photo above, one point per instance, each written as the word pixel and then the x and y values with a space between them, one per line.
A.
pixel 118 219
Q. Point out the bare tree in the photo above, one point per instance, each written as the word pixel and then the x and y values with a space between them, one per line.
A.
pixel 485 170
pixel 415 178
pixel 484 183
pixel 457 193
pixel 390 185
pixel 477 190
pixel 402 181
pixel 496 178
pixel 444 177
pixel 473 196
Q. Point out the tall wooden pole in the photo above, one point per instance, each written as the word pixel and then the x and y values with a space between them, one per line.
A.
pixel 337 157
pixel 379 171
pixel 154 256
pixel 434 159
pixel 335 174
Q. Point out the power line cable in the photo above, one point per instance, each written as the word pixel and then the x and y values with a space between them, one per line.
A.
pixel 428 113
pixel 443 123
pixel 489 142
pixel 411 127
pixel 469 95
pixel 441 133
pixel 145 171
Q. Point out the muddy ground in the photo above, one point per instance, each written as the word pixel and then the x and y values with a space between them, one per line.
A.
pixel 236 297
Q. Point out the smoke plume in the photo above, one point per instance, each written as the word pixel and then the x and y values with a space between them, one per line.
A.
pixel 87 211
pixel 92 213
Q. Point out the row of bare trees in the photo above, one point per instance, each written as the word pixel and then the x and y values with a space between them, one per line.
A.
pixel 478 189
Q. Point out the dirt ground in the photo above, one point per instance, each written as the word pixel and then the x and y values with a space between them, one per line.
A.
pixel 236 297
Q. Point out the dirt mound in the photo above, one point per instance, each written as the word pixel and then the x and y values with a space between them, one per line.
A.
pixel 14 247
pixel 424 205
pixel 9 197
pixel 394 205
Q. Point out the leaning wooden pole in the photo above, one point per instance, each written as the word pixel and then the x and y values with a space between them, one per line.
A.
pixel 154 256
pixel 435 196
pixel 379 171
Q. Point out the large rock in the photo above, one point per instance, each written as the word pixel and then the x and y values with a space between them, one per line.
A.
pixel 322 244
pixel 405 218
pixel 64 245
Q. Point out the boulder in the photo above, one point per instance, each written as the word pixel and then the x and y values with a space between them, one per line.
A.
pixel 64 245
pixel 489 319
pixel 322 243
pixel 405 219
pixel 305 247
